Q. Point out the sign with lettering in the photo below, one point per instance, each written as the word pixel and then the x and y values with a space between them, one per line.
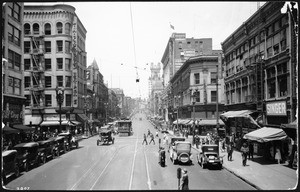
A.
pixel 277 108
pixel 75 64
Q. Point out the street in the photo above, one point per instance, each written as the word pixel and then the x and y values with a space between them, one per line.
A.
pixel 124 165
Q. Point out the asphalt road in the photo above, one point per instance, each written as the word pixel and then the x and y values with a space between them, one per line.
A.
pixel 124 165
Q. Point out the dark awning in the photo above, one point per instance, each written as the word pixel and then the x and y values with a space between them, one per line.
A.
pixel 83 117
pixel 240 114
pixel 9 130
pixel 23 127
pixel 290 129
pixel 266 134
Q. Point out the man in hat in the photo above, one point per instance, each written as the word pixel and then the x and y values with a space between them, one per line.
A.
pixel 184 185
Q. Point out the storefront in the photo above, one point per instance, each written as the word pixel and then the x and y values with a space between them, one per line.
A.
pixel 51 123
pixel 277 113
pixel 12 110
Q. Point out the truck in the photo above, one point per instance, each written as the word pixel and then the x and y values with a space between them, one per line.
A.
pixel 124 127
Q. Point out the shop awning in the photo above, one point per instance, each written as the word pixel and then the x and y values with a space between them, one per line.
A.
pixel 290 129
pixel 175 122
pixel 184 121
pixel 23 127
pixel 266 134
pixel 83 117
pixel 9 130
pixel 231 114
pixel 210 122
pixel 63 122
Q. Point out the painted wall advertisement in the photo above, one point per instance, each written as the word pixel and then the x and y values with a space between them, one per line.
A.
pixel 75 64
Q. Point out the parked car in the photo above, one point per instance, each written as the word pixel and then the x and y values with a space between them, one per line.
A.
pixel 27 155
pixel 105 136
pixel 46 150
pixel 209 155
pixel 10 165
pixel 71 141
pixel 173 139
pixel 181 151
pixel 59 145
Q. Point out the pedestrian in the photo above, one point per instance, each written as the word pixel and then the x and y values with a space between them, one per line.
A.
pixel 278 155
pixel 145 139
pixel 251 150
pixel 156 134
pixel 152 139
pixel 149 133
pixel 245 151
pixel 184 184
pixel 229 151
pixel 223 145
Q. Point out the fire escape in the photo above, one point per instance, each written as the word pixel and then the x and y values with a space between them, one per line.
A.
pixel 37 71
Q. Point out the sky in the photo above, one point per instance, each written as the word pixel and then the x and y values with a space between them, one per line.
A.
pixel 126 37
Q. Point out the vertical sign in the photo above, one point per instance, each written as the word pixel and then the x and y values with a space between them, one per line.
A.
pixel 75 64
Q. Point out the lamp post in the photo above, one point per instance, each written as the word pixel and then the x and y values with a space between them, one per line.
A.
pixel 60 100
pixel 193 96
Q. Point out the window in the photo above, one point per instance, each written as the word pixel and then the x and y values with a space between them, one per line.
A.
pixel 47 29
pixel 197 78
pixel 48 100
pixel 67 46
pixel 213 77
pixel 14 60
pixel 14 86
pixel 271 90
pixel 59 46
pixel 59 63
pixel 213 96
pixel 269 52
pixel 26 46
pixel 36 29
pixel 68 64
pixel 60 82
pixel 14 34
pixel 28 100
pixel 27 64
pixel 48 64
pixel 67 28
pixel 276 49
pixel 26 29
pixel 48 81
pixel 197 93
pixel 59 28
pixel 68 100
pixel 68 81
pixel 27 81
pixel 14 10
pixel 282 86
pixel 48 46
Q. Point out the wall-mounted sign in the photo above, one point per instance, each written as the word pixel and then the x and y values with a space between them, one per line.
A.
pixel 277 108
pixel 74 53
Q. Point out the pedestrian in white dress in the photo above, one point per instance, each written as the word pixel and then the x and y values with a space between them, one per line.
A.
pixel 278 155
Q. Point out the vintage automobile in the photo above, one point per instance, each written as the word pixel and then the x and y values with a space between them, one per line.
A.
pixel 162 156
pixel 45 150
pixel 124 127
pixel 27 155
pixel 181 151
pixel 173 139
pixel 209 155
pixel 70 140
pixel 105 135
pixel 59 145
pixel 10 165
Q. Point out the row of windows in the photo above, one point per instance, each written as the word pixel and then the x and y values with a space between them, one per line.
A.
pixel 14 86
pixel 14 10
pixel 47 48
pixel 213 78
pixel 48 100
pixel 48 81
pixel 47 29
pixel 213 96
pixel 48 64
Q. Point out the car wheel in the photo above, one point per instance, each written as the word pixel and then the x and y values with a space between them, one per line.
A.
pixel 113 140
pixel 17 172
pixel 44 159
pixel 57 153
pixel 97 142
pixel 220 166
pixel 77 145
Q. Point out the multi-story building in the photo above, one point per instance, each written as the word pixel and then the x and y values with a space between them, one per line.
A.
pixel 120 96
pixel 112 108
pixel 178 50
pixel 12 64
pixel 155 81
pixel 260 69
pixel 54 58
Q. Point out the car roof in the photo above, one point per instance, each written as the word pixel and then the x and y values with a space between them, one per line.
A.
pixel 59 137
pixel 185 142
pixel 8 152
pixel 30 144
pixel 63 134
pixel 211 145
pixel 44 141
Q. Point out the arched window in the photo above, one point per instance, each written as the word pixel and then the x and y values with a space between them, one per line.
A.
pixel 67 28
pixel 26 29
pixel 47 29
pixel 59 28
pixel 36 28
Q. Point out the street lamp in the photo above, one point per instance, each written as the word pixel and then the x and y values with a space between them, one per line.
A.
pixel 177 97
pixel 194 96
pixel 60 100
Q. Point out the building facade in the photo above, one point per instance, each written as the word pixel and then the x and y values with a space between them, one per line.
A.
pixel 12 64
pixel 155 89
pixel 260 66
pixel 54 58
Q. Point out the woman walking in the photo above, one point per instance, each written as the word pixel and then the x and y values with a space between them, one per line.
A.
pixel 245 151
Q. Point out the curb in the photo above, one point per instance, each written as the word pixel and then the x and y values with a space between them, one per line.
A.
pixel 237 175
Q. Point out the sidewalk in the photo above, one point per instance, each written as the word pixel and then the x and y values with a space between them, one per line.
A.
pixel 259 173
